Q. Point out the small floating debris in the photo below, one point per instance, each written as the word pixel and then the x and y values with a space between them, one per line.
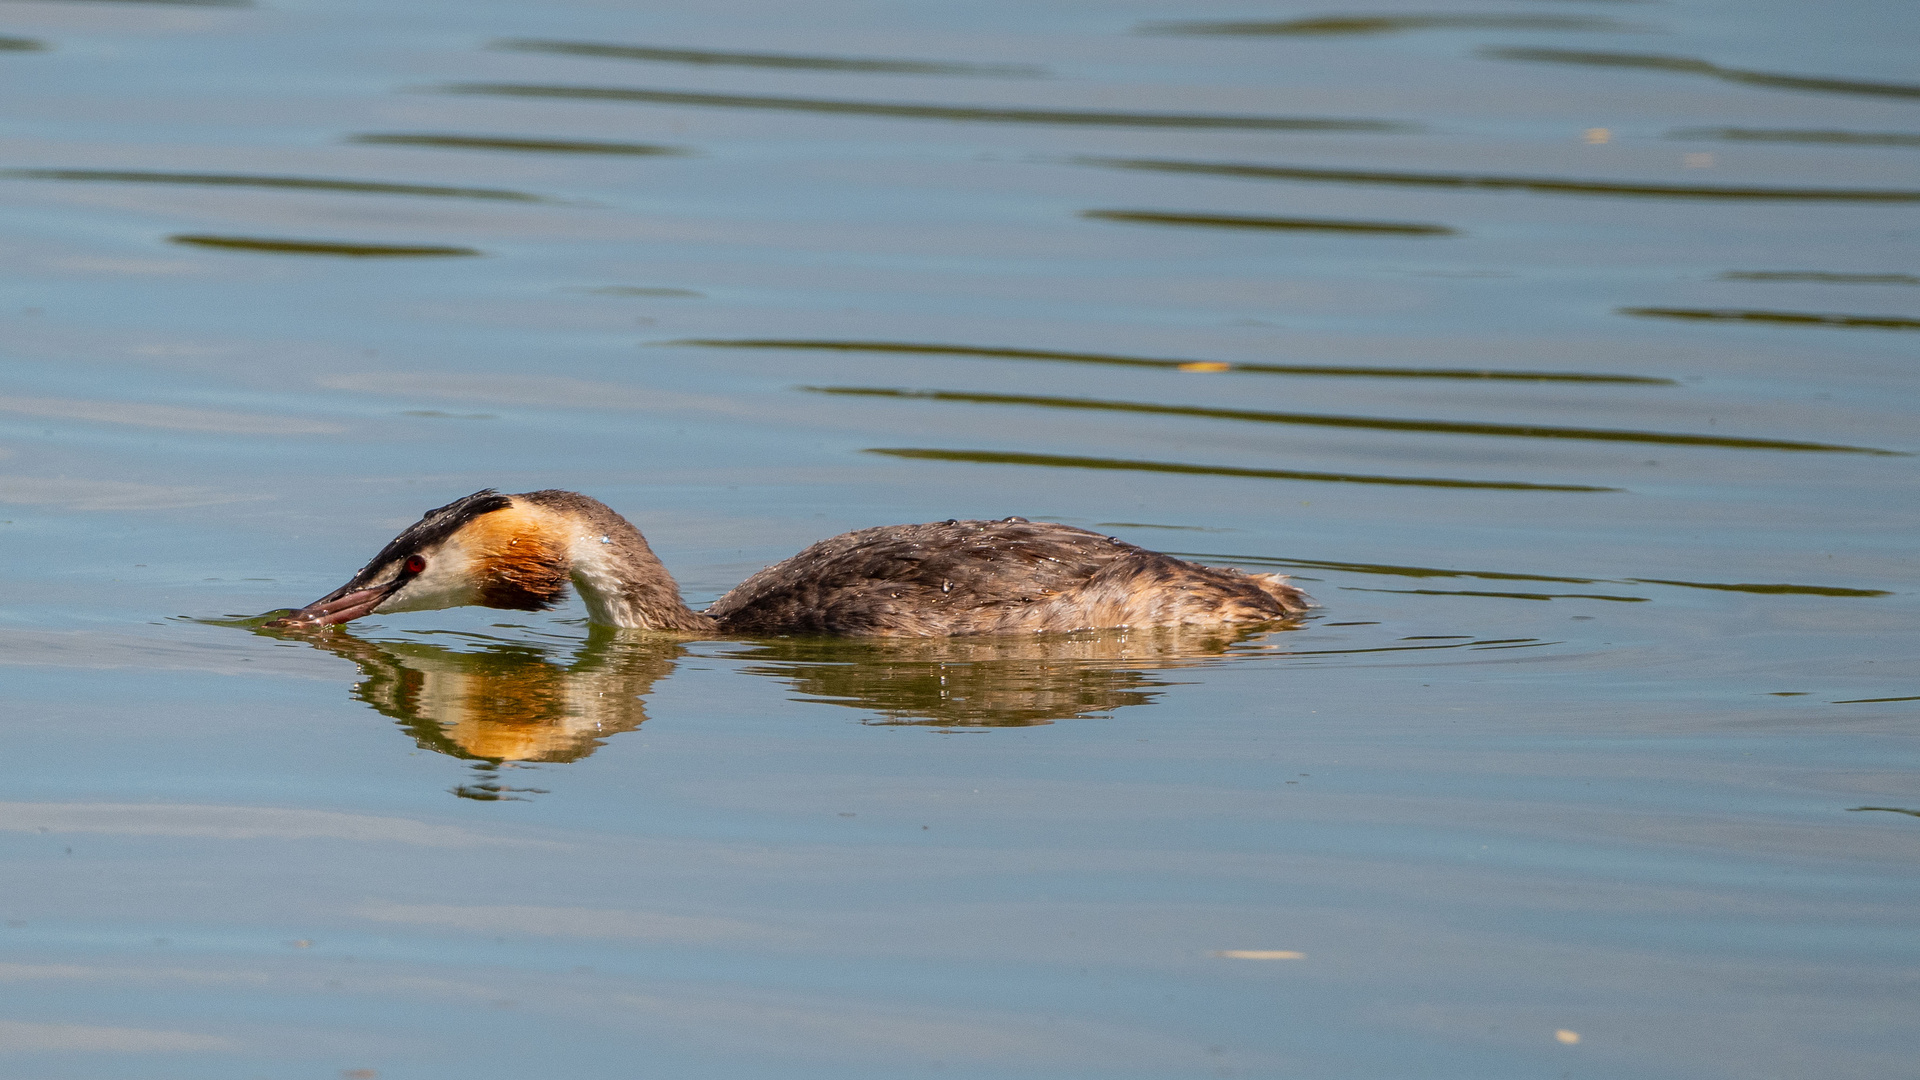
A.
pixel 324 247
pixel 1565 1037
pixel 20 44
pixel 1260 954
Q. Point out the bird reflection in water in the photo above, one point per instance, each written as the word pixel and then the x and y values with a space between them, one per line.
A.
pixel 503 703
pixel 1001 681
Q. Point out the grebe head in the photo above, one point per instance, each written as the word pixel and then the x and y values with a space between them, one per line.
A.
pixel 489 549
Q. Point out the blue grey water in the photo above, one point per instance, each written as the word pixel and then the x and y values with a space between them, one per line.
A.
pixel 1565 351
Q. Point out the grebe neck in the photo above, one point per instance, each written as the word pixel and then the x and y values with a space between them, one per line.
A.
pixel 622 581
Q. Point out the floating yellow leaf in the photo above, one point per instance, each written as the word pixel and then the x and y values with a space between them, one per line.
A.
pixel 1266 954
pixel 1568 1037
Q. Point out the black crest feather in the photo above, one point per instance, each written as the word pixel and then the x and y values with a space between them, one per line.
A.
pixel 433 527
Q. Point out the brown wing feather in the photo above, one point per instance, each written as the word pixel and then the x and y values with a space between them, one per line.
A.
pixel 986 577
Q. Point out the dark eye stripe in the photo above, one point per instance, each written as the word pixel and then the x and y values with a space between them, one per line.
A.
pixel 436 525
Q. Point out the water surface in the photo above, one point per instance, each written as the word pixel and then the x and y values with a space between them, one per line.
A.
pixel 1566 357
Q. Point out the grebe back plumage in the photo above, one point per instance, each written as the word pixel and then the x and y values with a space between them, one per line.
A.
pixel 940 579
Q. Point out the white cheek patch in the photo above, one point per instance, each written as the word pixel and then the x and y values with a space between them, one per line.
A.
pixel 448 581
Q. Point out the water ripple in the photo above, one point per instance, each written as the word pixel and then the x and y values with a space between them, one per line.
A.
pixel 1794 318
pixel 637 290
pixel 1522 183
pixel 1391 570
pixel 1242 221
pixel 1442 427
pixel 529 146
pixel 1770 590
pixel 170 3
pixel 298 183
pixel 321 247
pixel 1063 461
pixel 1838 138
pixel 1386 569
pixel 1689 65
pixel 1821 276
pixel 1335 25
pixel 979 113
pixel 1208 366
pixel 166 417
pixel 710 58
pixel 1505 595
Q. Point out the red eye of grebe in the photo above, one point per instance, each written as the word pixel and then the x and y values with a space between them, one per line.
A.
pixel 415 564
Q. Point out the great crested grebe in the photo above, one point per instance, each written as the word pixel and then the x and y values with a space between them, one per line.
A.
pixel 1011 576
